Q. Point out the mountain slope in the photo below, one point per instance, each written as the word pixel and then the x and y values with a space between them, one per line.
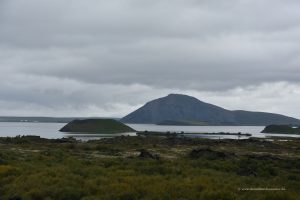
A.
pixel 177 107
pixel 262 118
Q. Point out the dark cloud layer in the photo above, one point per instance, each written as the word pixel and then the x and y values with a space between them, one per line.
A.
pixel 102 58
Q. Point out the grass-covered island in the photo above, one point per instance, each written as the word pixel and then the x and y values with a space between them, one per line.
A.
pixel 108 126
pixel 281 129
pixel 149 168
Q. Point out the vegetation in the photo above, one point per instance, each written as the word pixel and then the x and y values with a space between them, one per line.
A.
pixel 283 129
pixel 96 126
pixel 149 168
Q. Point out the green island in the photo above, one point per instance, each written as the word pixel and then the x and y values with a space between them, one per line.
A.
pixel 108 126
pixel 281 129
pixel 149 168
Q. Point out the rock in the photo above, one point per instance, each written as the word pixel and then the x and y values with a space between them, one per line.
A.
pixel 263 157
pixel 247 172
pixel 2 161
pixel 208 153
pixel 15 198
pixel 147 155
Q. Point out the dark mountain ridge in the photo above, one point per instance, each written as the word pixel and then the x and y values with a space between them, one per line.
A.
pixel 178 107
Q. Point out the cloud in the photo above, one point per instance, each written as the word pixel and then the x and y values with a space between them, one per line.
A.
pixel 104 58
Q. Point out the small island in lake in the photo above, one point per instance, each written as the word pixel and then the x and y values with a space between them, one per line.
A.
pixel 108 126
pixel 281 129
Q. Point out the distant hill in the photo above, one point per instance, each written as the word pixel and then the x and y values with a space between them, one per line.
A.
pixel 177 109
pixel 36 119
pixel 96 126
pixel 41 119
pixel 281 129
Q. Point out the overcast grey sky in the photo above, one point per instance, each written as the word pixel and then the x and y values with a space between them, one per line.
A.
pixel 108 57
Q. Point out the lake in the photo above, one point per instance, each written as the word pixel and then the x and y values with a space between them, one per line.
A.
pixel 50 130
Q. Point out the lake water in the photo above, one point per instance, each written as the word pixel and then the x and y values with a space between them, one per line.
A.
pixel 50 130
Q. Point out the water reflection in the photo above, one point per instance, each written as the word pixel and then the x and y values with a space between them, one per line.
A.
pixel 88 136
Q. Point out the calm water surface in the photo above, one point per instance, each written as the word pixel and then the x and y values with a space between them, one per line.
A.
pixel 50 130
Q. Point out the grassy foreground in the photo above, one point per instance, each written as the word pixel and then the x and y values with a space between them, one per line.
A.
pixel 133 168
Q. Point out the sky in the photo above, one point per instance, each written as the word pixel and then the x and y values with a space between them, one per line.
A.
pixel 106 58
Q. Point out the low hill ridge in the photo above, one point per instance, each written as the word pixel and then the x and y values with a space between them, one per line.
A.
pixel 96 126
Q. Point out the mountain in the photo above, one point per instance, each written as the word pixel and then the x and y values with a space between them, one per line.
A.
pixel 178 109
pixel 96 126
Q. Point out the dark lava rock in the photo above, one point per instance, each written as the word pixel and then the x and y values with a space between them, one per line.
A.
pixel 15 198
pixel 263 157
pixel 247 172
pixel 208 153
pixel 147 155
pixel 65 140
pixel 2 161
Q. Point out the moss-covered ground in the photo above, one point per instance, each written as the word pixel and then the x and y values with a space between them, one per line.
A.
pixel 150 168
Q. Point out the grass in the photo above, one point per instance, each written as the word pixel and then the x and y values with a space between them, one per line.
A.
pixel 33 168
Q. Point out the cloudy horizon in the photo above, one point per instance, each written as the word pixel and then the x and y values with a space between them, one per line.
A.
pixel 107 58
